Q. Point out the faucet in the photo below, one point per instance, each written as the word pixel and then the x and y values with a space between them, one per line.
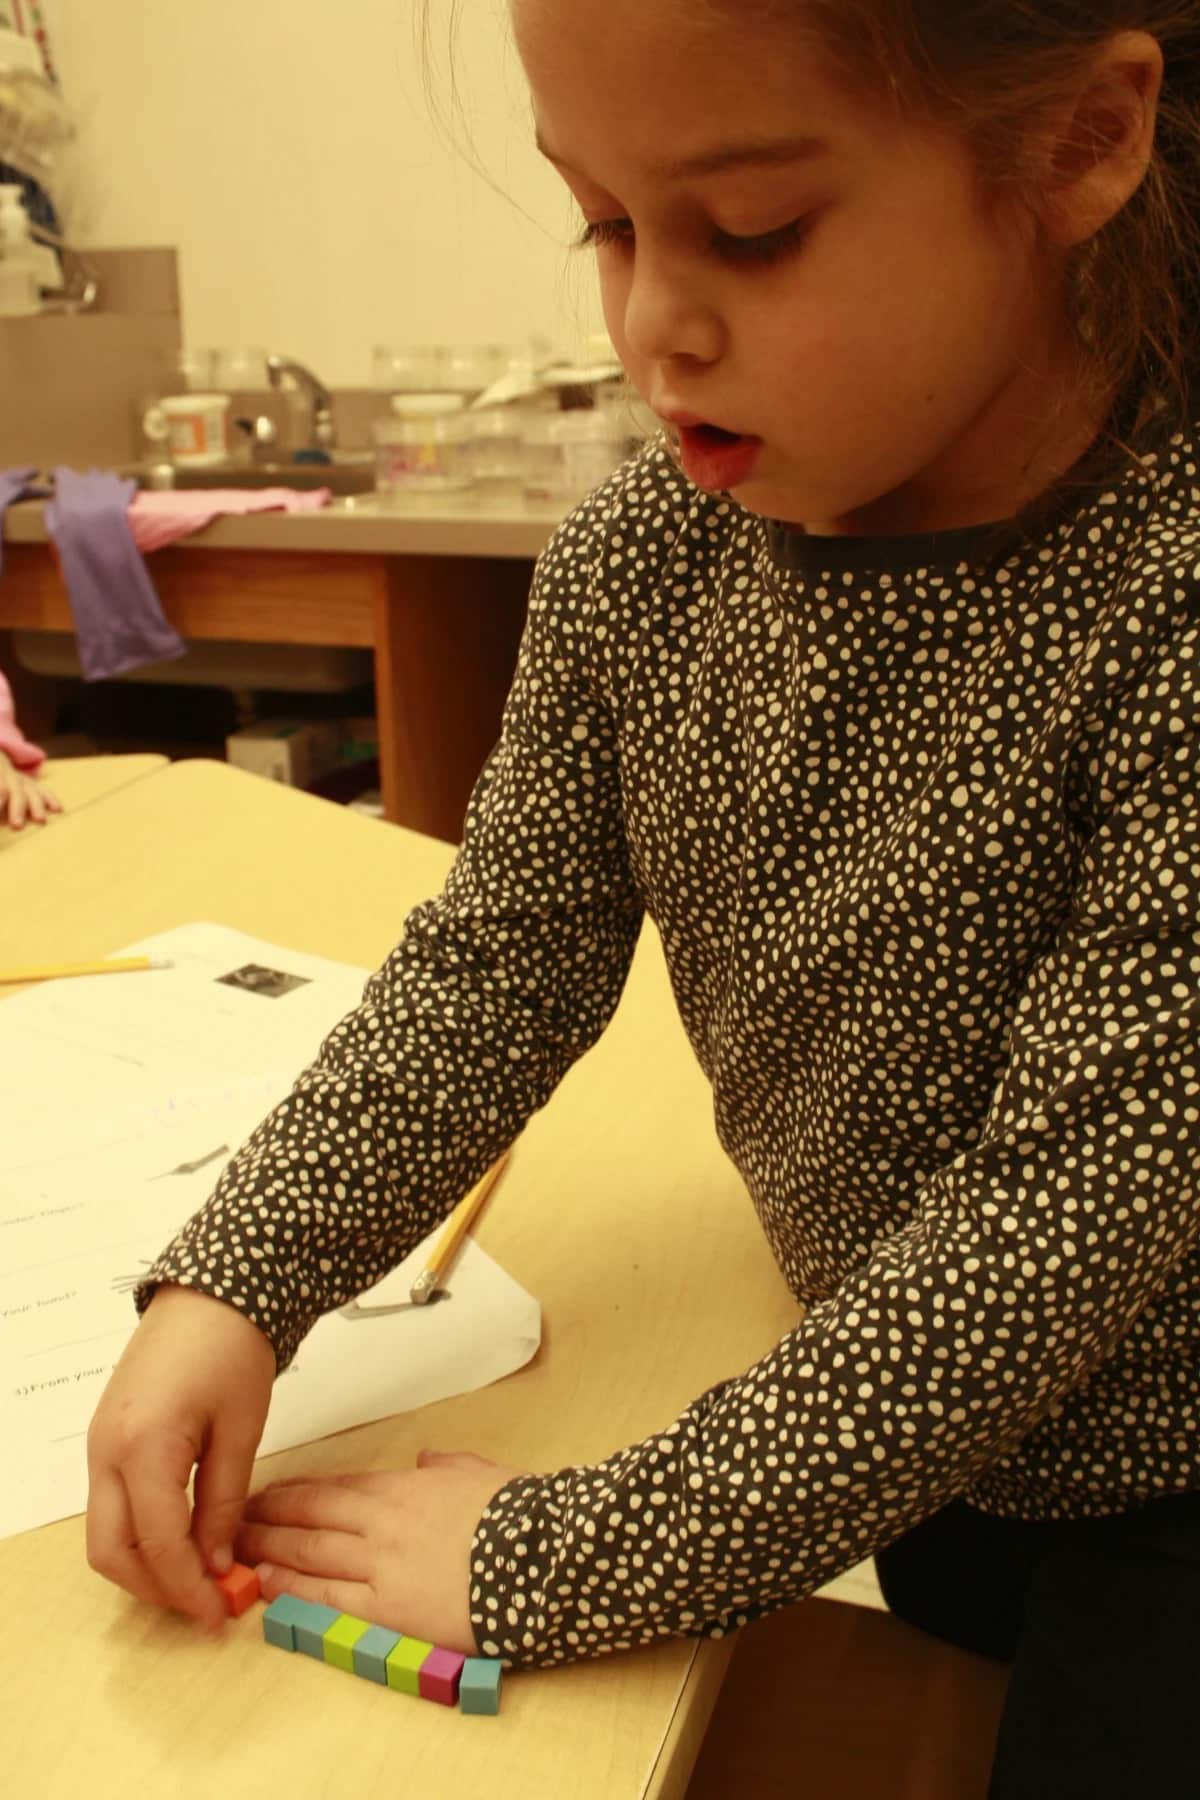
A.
pixel 320 402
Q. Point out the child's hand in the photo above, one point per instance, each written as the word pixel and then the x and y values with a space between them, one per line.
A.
pixel 192 1388
pixel 393 1548
pixel 23 796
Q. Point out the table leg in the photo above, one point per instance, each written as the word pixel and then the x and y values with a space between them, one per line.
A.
pixel 447 631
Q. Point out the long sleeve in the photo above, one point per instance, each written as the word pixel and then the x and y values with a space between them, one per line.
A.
pixel 1030 1260
pixel 495 988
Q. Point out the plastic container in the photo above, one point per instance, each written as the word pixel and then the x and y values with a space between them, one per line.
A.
pixel 191 428
pixel 568 454
pixel 422 450
pixel 496 450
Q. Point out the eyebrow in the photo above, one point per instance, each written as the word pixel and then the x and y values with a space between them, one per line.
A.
pixel 754 153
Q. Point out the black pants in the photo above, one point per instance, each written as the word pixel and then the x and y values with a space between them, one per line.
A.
pixel 1100 1619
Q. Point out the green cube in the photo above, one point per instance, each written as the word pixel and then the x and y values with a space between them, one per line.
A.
pixel 404 1665
pixel 340 1639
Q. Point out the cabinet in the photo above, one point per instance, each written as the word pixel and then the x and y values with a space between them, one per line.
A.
pixel 443 632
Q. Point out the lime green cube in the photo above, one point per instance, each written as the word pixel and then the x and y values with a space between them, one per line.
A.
pixel 404 1665
pixel 340 1639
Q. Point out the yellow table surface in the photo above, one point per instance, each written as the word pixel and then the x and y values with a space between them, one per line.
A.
pixel 619 1211
pixel 79 781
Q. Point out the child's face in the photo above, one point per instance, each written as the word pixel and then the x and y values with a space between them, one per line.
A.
pixel 854 310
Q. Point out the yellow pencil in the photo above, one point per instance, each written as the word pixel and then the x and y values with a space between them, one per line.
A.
pixel 115 965
pixel 457 1226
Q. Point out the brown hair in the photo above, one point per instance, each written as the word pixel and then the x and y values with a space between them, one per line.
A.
pixel 987 69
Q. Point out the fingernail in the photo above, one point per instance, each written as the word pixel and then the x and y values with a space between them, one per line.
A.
pixel 221 1560
pixel 265 1572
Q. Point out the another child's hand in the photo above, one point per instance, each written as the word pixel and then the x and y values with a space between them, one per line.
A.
pixel 393 1548
pixel 23 796
pixel 192 1389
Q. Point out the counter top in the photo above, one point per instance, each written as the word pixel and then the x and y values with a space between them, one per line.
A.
pixel 358 525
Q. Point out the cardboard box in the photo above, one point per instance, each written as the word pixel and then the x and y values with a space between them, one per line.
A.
pixel 294 751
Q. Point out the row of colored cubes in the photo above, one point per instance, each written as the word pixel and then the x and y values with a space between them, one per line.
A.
pixel 408 1664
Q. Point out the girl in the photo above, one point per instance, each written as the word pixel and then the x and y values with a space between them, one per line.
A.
pixel 875 684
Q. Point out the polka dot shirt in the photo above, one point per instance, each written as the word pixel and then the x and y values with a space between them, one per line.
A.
pixel 921 836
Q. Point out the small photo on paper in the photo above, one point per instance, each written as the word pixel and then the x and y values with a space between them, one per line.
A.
pixel 256 978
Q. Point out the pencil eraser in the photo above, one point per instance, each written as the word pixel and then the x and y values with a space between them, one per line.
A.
pixel 404 1664
pixel 437 1678
pixel 341 1638
pixel 371 1652
pixel 479 1685
pixel 239 1589
pixel 279 1621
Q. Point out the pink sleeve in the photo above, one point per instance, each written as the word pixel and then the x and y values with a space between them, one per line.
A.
pixel 15 745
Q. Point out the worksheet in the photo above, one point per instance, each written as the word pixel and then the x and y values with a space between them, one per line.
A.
pixel 228 1007
pixel 86 1207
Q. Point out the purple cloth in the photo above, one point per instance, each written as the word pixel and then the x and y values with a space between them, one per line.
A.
pixel 119 621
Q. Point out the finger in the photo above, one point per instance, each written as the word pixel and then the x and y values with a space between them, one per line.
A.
pixel 315 1505
pixel 156 1478
pixel 220 1494
pixel 453 1459
pixel 111 1549
pixel 328 1555
pixel 34 804
pixel 362 1481
pixel 354 1597
pixel 53 803
pixel 16 807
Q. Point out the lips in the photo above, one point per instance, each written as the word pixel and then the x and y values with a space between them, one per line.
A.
pixel 711 456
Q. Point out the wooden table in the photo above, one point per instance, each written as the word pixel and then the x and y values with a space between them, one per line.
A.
pixel 619 1211
pixel 440 603
pixel 79 781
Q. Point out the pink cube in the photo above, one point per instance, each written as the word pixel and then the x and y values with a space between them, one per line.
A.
pixel 439 1676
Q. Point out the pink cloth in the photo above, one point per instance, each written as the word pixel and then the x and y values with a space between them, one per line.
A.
pixel 15 745
pixel 156 519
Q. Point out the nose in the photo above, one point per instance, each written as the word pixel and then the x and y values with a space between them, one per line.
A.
pixel 667 314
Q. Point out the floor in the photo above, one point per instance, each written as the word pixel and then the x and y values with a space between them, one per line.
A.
pixel 836 1700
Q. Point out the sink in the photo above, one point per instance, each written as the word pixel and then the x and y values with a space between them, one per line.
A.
pixel 342 477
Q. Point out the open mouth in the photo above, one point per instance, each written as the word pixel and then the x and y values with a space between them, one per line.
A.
pixel 715 434
pixel 715 458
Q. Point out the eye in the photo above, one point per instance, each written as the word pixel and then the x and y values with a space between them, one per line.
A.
pixel 605 231
pixel 763 247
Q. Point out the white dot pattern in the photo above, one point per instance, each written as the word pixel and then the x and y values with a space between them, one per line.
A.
pixel 920 833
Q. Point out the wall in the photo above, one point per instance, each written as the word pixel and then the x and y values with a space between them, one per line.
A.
pixel 288 149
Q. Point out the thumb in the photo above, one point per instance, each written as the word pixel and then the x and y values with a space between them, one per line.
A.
pixel 222 1482
pixel 453 1459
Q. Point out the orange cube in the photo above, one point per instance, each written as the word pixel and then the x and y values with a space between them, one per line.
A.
pixel 239 1589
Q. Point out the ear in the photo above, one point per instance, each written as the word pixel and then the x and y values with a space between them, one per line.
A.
pixel 1099 145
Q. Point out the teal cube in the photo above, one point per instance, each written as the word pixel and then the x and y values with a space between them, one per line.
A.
pixel 372 1651
pixel 279 1621
pixel 479 1685
pixel 311 1627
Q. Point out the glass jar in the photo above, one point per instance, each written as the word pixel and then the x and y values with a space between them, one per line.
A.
pixel 409 369
pixel 470 369
pixel 421 450
pixel 568 454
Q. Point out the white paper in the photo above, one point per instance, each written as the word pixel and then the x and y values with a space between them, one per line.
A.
pixel 86 1208
pixel 120 1040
